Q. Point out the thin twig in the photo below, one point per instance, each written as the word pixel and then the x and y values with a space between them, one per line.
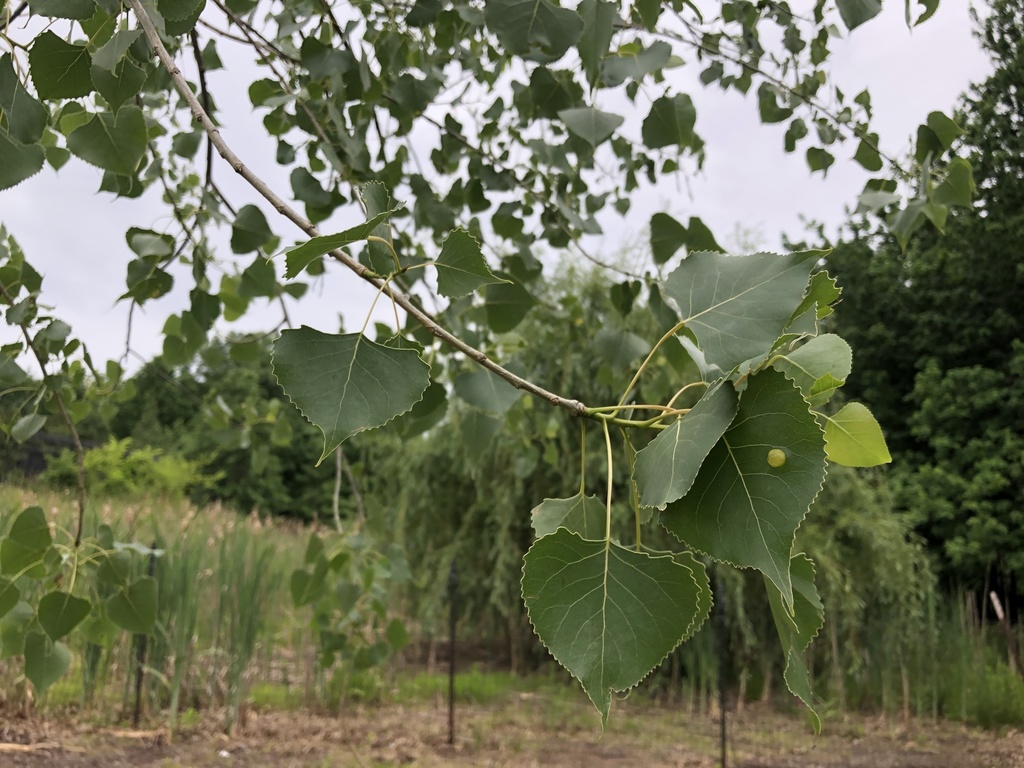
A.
pixel 204 99
pixel 282 207
pixel 6 21
pixel 79 450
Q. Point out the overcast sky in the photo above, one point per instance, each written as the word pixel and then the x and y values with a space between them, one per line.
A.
pixel 75 235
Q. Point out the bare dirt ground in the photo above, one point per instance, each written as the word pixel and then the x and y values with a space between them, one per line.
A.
pixel 526 730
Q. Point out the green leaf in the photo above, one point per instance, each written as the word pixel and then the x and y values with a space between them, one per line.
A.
pixel 397 635
pixel 667 237
pixel 537 30
pixel 427 413
pixel 598 27
pixel 346 383
pixel 9 596
pixel 63 9
pixel 506 304
pixel 113 142
pixel 741 509
pixel 113 51
pixel 798 627
pixel 120 85
pixel 59 70
pixel 867 153
pixel 819 159
pixel 115 567
pixel 18 161
pixel 60 612
pixel 26 117
pixel 308 587
pixel 477 430
pixel 486 391
pixel 378 201
pixel 700 237
pixel 27 426
pixel 666 468
pixel 670 122
pixel 822 293
pixel 806 366
pixel 635 66
pixel 133 608
pixel 307 188
pixel 590 124
pixel 177 10
pixel 856 12
pixel 737 306
pixel 250 230
pixel 854 439
pixel 461 267
pixel 45 661
pixel 620 347
pixel 609 615
pixel 13 628
pixel 583 515
pixel 768 105
pixel 30 529
pixel 300 258
pixel 945 129
pixel 958 187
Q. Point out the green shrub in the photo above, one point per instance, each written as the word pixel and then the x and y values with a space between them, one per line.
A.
pixel 117 469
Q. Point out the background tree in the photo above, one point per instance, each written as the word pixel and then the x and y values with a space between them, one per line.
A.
pixel 938 333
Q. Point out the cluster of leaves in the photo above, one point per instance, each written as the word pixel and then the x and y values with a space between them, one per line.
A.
pixel 42 600
pixel 347 581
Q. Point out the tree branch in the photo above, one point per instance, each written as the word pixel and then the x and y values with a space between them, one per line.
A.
pixel 6 21
pixel 75 439
pixel 282 207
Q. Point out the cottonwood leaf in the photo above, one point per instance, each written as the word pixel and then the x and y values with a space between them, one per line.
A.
pixel 486 391
pixel 60 612
pixel 427 413
pixel 615 70
pixel 537 30
pixel 583 515
pixel 670 122
pixel 666 468
pixel 113 142
pixel 608 614
pixel 63 9
pixel 23 550
pixel 27 426
pixel 177 10
pixel 818 367
pixel 45 661
pixel 505 305
pixel 378 201
pixel 854 439
pixel 620 347
pixel 741 509
pixel 598 28
pixel 667 237
pixel 250 230
pixel 590 124
pixel 120 85
pixel 301 257
pixel 798 627
pixel 346 383
pixel 59 69
pixel 26 117
pixel 111 52
pixel 18 162
pixel 737 306
pixel 822 292
pixel 461 267
pixel 9 596
pixel 856 12
pixel 133 608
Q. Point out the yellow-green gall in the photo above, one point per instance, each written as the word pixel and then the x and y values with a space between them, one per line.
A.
pixel 776 457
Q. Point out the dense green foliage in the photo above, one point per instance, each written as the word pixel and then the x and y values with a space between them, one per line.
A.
pixel 939 334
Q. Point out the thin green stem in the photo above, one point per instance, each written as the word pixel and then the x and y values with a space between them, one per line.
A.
pixel 380 290
pixel 650 356
pixel 634 496
pixel 391 247
pixel 688 386
pixel 608 501
pixel 583 457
